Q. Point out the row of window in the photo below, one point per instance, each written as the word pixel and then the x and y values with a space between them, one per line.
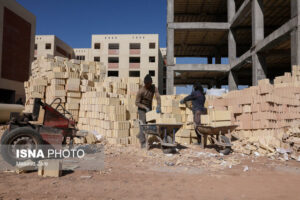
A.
pixel 116 59
pixel 131 45
pixel 47 46
pixel 131 73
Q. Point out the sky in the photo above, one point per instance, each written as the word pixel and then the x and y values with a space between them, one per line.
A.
pixel 74 21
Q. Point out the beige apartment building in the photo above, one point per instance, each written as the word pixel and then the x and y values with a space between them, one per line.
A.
pixel 17 30
pixel 128 55
pixel 51 44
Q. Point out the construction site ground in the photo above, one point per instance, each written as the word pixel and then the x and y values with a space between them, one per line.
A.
pixel 192 173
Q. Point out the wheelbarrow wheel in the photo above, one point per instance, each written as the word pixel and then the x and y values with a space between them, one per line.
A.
pixel 167 150
pixel 225 140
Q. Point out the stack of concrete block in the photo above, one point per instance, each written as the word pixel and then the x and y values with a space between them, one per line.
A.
pixel 58 77
pixel 111 110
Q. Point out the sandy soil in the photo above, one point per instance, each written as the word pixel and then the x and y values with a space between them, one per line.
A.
pixel 193 173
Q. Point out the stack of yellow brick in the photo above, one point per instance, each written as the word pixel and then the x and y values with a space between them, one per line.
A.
pixel 111 110
pixel 58 77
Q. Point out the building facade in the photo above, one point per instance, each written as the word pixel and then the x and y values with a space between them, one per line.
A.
pixel 132 55
pixel 260 38
pixel 16 49
pixel 51 44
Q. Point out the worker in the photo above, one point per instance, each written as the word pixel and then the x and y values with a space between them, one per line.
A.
pixel 144 103
pixel 198 100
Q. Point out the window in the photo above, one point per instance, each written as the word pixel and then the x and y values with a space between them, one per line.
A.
pixel 152 72
pixel 135 46
pixel 113 46
pixel 134 59
pixel 134 73
pixel 48 46
pixel 113 60
pixel 152 45
pixel 80 57
pixel 35 46
pixel 113 73
pixel 97 59
pixel 97 46
pixel 152 59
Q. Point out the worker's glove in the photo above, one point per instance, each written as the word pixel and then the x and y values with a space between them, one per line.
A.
pixel 182 101
pixel 147 109
pixel 158 109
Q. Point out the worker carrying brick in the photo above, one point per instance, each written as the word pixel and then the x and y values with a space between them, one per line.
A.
pixel 198 100
pixel 144 103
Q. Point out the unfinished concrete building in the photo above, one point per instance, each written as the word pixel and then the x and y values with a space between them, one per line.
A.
pixel 260 38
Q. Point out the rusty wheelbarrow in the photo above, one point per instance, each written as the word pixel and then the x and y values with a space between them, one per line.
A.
pixel 216 135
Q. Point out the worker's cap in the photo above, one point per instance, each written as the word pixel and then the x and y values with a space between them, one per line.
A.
pixel 147 79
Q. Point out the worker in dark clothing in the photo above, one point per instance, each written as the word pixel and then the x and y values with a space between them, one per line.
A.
pixel 198 100
pixel 144 103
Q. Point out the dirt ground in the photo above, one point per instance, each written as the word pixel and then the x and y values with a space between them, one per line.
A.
pixel 192 173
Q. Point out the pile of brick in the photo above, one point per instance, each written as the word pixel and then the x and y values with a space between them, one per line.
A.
pixel 111 110
pixel 58 77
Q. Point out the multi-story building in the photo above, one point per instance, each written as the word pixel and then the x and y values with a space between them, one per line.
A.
pixel 51 44
pixel 83 54
pixel 16 49
pixel 260 38
pixel 133 55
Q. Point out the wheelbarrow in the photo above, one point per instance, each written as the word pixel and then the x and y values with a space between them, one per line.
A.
pixel 217 137
pixel 165 137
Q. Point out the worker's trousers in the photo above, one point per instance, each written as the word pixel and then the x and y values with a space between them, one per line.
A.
pixel 197 121
pixel 142 118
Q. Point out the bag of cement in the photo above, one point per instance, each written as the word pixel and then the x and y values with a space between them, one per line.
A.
pixel 216 92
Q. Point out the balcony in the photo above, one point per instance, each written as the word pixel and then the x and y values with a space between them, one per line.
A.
pixel 135 51
pixel 113 65
pixel 134 65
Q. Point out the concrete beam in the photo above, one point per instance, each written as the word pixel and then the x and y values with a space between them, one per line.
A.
pixel 199 25
pixel 243 12
pixel 272 40
pixel 241 60
pixel 277 36
pixel 202 67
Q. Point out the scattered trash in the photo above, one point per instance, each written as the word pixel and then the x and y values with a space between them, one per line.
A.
pixel 256 154
pixel 168 154
pixel 169 163
pixel 285 156
pixel 246 168
pixel 85 177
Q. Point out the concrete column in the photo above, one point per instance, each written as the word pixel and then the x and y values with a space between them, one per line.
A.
pixel 258 68
pixel 232 78
pixel 258 61
pixel 209 60
pixel 231 10
pixel 170 33
pixel 295 34
pixel 170 81
pixel 257 21
pixel 232 81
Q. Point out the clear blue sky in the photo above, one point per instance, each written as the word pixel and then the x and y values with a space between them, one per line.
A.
pixel 74 21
